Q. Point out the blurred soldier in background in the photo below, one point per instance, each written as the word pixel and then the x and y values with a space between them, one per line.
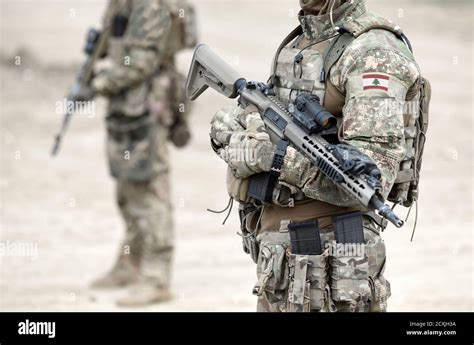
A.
pixel 362 69
pixel 146 109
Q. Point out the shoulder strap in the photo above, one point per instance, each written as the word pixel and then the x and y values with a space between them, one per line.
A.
pixel 340 44
pixel 396 30
pixel 291 36
pixel 335 51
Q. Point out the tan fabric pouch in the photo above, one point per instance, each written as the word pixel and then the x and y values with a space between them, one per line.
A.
pixel 272 269
pixel 350 279
pixel 308 290
pixel 237 188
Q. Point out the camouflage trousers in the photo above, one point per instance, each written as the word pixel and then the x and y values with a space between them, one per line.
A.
pixel 146 209
pixel 149 231
pixel 322 283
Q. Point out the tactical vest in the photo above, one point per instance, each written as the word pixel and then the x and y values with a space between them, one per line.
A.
pixel 183 31
pixel 182 35
pixel 296 70
pixel 141 114
pixel 132 102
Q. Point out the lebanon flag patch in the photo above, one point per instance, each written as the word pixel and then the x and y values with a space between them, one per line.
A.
pixel 375 81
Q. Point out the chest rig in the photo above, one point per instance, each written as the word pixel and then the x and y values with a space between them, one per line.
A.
pixel 299 63
pixel 119 23
pixel 127 33
pixel 298 70
pixel 131 101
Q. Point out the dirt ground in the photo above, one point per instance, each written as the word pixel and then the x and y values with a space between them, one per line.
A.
pixel 65 206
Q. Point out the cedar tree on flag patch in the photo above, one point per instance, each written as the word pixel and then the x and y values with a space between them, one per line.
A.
pixel 375 81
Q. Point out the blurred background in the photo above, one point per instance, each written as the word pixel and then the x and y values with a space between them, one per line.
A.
pixel 65 206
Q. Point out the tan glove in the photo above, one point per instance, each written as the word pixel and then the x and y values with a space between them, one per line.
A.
pixel 100 84
pixel 224 124
pixel 248 153
pixel 241 140
pixel 297 170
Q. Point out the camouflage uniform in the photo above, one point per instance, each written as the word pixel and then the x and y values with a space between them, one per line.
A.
pixel 370 118
pixel 146 108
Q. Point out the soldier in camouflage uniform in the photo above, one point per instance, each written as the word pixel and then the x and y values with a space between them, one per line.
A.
pixel 365 89
pixel 146 109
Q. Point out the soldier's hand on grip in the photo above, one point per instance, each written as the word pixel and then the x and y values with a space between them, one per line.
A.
pixel 248 153
pixel 355 162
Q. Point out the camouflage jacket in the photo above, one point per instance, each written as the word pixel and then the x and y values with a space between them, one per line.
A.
pixel 142 67
pixel 373 78
pixel 140 50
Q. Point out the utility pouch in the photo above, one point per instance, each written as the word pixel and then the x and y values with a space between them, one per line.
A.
pixel 237 188
pixel 381 292
pixel 248 226
pixel 349 228
pixel 130 146
pixel 260 187
pixel 349 262
pixel 272 271
pixel 119 26
pixel 305 238
pixel 350 279
pixel 308 289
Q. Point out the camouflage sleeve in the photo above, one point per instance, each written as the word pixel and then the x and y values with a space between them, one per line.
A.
pixel 145 40
pixel 375 79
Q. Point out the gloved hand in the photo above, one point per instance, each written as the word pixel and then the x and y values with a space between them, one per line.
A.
pixel 224 124
pixel 355 162
pixel 240 138
pixel 248 153
pixel 103 85
pixel 297 169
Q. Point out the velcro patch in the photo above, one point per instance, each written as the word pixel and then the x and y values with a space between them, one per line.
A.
pixel 375 81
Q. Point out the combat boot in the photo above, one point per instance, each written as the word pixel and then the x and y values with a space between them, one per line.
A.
pixel 142 295
pixel 125 272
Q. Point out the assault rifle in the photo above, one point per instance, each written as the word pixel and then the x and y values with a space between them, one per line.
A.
pixel 96 43
pixel 354 176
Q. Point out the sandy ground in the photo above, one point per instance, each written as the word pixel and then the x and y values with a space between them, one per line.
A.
pixel 65 206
